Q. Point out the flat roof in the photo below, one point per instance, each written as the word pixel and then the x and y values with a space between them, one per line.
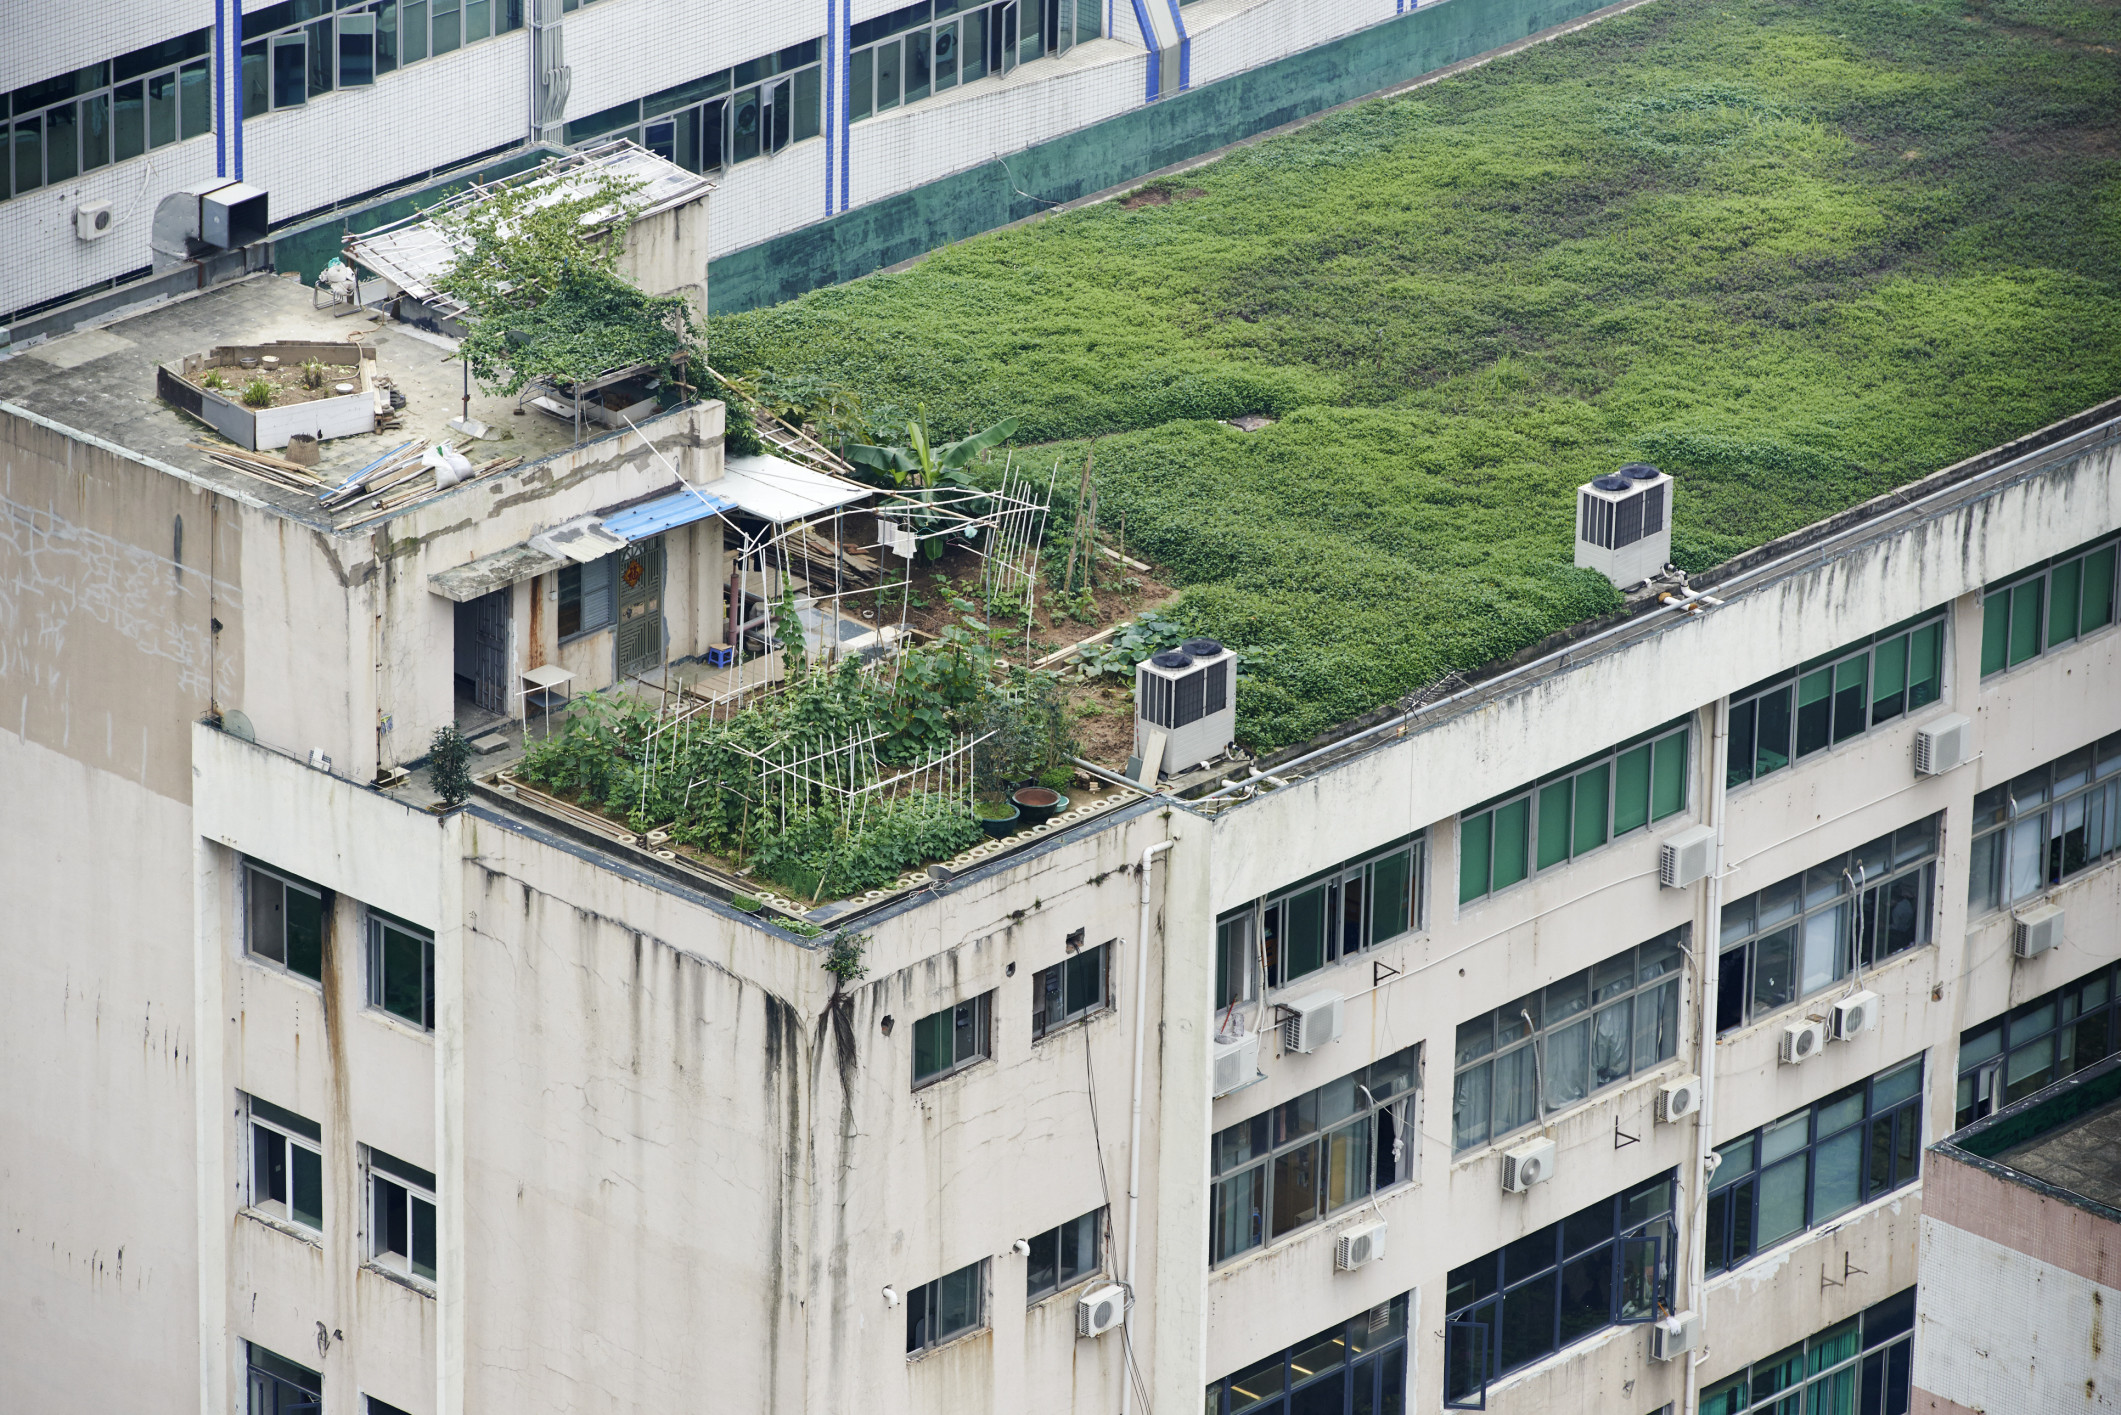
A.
pixel 2063 1140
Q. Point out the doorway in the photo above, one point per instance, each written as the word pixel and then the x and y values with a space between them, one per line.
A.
pixel 640 635
pixel 482 661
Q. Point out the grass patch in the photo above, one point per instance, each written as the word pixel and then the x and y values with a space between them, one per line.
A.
pixel 1793 252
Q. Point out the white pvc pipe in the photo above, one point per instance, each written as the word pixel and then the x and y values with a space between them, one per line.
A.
pixel 1709 966
pixel 1134 1141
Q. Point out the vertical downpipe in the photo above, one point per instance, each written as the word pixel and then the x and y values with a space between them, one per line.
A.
pixel 211 1103
pixel 1708 966
pixel 1134 1140
pixel 452 932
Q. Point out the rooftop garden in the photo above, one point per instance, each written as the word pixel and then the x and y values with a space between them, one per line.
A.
pixel 1795 252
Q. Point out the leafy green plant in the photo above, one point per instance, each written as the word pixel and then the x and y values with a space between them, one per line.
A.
pixel 844 959
pixel 788 634
pixel 1057 778
pixel 257 394
pixel 922 467
pixel 313 374
pixel 994 810
pixel 214 379
pixel 1119 655
pixel 449 765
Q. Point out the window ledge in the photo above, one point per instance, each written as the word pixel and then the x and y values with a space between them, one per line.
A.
pixel 1072 1024
pixel 1819 1006
pixel 1783 1250
pixel 419 1285
pixel 1282 993
pixel 281 970
pixel 1327 1226
pixel 941 1076
pixel 1487 1149
pixel 959 1340
pixel 1073 1289
pixel 310 1236
pixel 396 1023
pixel 1992 681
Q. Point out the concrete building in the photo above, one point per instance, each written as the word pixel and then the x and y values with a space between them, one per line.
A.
pixel 1568 1042
pixel 845 135
pixel 2021 1254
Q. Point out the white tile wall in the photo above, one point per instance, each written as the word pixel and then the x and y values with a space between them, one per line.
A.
pixel 66 37
pixel 41 258
pixel 1230 36
pixel 621 49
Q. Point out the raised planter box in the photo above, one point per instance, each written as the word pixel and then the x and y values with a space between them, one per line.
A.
pixel 261 429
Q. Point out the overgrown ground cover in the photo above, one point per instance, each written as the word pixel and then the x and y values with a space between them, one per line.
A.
pixel 1793 251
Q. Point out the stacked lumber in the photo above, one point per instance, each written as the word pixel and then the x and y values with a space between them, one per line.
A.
pixel 262 465
pixel 406 479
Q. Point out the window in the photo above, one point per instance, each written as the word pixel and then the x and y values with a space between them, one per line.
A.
pixel 923 49
pixel 731 115
pixel 2047 606
pixel 950 1040
pixel 1062 1257
pixel 1312 1156
pixel 401 1234
pixel 1815 1164
pixel 1372 899
pixel 401 969
pixel 946 1308
pixel 2055 1035
pixel 1605 1264
pixel 378 1407
pixel 1070 989
pixel 299 49
pixel 1571 812
pixel 585 597
pixel 1861 1364
pixel 1356 1367
pixel 56 129
pixel 286 1164
pixel 1813 929
pixel 277 1386
pixel 285 920
pixel 1593 1029
pixel 2032 833
pixel 1808 709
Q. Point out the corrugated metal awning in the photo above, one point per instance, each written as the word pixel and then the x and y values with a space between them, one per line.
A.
pixel 665 513
pixel 493 572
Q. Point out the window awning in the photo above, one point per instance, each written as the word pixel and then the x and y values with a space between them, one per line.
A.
pixel 494 572
pixel 665 513
pixel 781 491
pixel 581 540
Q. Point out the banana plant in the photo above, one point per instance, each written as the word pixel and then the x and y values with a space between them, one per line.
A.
pixel 921 467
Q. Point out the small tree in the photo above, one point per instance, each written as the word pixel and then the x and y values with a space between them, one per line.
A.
pixel 922 466
pixel 449 765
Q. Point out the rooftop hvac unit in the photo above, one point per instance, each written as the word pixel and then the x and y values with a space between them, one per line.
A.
pixel 1623 524
pixel 1686 857
pixel 1801 1041
pixel 93 220
pixel 1313 1020
pixel 1676 1100
pixel 1527 1165
pixel 1674 1336
pixel 1364 1243
pixel 1236 1063
pixel 1854 1015
pixel 1100 1309
pixel 1941 745
pixel 2036 930
pixel 1186 693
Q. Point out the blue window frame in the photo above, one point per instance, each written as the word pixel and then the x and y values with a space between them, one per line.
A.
pixel 2056 1034
pixel 1860 1364
pixel 1605 1265
pixel 1356 1367
pixel 1815 1164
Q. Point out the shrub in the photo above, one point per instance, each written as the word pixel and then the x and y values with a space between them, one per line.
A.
pixel 257 394
pixel 449 765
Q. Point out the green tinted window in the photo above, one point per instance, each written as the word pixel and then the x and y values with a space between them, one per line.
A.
pixel 1669 797
pixel 1475 844
pixel 1554 823
pixel 1591 807
pixel 1513 842
pixel 1995 631
pixel 2025 621
pixel 1631 789
pixel 2062 604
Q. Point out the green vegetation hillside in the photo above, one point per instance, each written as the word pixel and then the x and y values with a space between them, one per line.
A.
pixel 1792 251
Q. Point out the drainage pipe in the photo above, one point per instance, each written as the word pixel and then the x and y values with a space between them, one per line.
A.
pixel 1708 967
pixel 1134 1141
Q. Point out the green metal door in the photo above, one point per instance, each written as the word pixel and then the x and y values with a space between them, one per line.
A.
pixel 641 607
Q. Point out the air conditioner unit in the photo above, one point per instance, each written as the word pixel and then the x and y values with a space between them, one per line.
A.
pixel 1187 693
pixel 1236 1063
pixel 1686 857
pixel 1676 1100
pixel 1364 1243
pixel 1854 1015
pixel 2036 930
pixel 1527 1165
pixel 93 220
pixel 1100 1309
pixel 1801 1041
pixel 1941 745
pixel 1314 1021
pixel 1674 1336
pixel 1623 530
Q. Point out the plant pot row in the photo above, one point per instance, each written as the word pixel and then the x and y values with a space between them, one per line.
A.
pixel 1029 805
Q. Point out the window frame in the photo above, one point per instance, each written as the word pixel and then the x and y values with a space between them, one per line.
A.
pixel 1478 826
pixel 2010 812
pixel 1043 1022
pixel 1983 1070
pixel 1093 1224
pixel 272 1131
pixel 379 973
pixel 249 903
pixel 785 86
pixel 585 595
pixel 928 1298
pixel 1242 939
pixel 1246 1158
pixel 414 1186
pixel 1373 1345
pixel 274 1385
pixel 2000 604
pixel 1749 705
pixel 1737 1197
pixel 391 42
pixel 982 1041
pixel 1807 1375
pixel 96 95
pixel 1476 1299
pixel 1856 948
pixel 1669 947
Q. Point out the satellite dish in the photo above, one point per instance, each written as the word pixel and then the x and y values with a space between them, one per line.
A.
pixel 940 874
pixel 235 724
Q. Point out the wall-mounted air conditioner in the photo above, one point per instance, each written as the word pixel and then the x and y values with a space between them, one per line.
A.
pixel 1100 1309
pixel 1854 1015
pixel 1674 1336
pixel 2036 930
pixel 1941 745
pixel 1364 1243
pixel 93 220
pixel 1624 524
pixel 1686 857
pixel 1527 1165
pixel 1801 1041
pixel 1236 1063
pixel 1313 1020
pixel 1189 694
pixel 1676 1100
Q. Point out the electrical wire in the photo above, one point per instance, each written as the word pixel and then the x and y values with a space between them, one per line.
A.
pixel 1104 1181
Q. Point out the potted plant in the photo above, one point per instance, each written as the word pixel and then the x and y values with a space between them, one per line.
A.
pixel 997 818
pixel 1038 803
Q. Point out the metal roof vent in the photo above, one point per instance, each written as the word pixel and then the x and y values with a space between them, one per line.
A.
pixel 1187 699
pixel 1624 524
